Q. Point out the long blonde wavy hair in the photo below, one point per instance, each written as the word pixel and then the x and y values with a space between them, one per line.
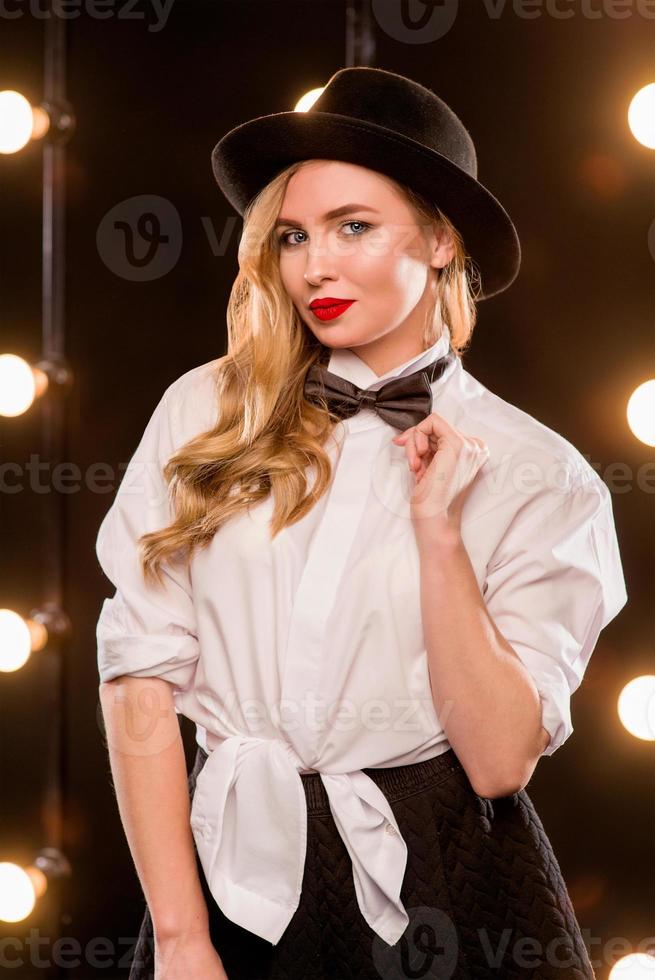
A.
pixel 266 432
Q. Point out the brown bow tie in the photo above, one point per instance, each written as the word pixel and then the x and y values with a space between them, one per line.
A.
pixel 402 402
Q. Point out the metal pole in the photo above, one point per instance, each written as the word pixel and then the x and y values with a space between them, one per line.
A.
pixel 360 36
pixel 53 406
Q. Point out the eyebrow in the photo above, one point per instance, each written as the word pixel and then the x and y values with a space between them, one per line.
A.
pixel 344 209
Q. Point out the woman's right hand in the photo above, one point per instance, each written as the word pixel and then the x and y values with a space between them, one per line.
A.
pixel 191 956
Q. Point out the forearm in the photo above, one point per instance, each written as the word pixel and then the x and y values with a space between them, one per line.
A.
pixel 149 772
pixel 486 699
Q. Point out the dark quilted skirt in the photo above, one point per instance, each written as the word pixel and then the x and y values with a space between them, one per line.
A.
pixel 483 890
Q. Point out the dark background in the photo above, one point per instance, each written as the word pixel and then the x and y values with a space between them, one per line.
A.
pixel 545 100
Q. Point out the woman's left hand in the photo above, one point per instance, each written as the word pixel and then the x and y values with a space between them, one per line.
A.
pixel 445 463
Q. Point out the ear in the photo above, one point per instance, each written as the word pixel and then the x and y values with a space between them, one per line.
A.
pixel 443 249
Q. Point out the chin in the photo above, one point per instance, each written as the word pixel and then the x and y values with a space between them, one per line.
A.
pixel 333 341
pixel 332 336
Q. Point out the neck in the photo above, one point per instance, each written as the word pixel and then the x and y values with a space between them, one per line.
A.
pixel 387 352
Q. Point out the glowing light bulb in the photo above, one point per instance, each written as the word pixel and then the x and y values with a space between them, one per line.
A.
pixel 307 100
pixel 641 116
pixel 641 412
pixel 16 121
pixel 17 895
pixel 636 707
pixel 18 385
pixel 15 641
pixel 634 966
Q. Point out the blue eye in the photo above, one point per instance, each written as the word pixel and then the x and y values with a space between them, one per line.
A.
pixel 283 239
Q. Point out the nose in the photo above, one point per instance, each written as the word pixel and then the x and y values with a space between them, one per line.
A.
pixel 320 264
pixel 316 277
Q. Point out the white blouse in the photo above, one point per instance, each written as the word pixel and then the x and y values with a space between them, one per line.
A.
pixel 307 653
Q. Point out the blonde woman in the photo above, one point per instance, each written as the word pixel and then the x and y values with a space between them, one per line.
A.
pixel 371 583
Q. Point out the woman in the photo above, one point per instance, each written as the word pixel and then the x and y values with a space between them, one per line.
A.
pixel 327 555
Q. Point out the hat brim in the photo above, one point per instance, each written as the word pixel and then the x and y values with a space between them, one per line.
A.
pixel 250 155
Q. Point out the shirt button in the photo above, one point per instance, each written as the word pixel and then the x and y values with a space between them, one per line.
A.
pixel 389 829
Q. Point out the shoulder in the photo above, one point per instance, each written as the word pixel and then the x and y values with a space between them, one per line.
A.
pixel 539 503
pixel 518 442
pixel 191 401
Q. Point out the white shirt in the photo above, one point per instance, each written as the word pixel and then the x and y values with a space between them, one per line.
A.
pixel 330 611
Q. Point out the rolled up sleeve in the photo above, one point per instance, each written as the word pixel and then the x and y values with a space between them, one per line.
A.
pixel 554 584
pixel 145 630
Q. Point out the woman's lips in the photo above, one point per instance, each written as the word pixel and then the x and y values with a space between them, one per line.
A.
pixel 333 311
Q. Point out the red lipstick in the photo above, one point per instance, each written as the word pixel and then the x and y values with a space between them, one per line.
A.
pixel 329 307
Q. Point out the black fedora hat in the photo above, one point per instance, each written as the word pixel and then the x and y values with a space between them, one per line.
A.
pixel 392 124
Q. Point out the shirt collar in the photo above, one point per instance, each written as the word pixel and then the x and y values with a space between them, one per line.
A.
pixel 347 364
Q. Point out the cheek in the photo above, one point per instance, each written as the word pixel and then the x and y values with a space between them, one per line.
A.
pixel 290 274
pixel 393 278
pixel 410 277
pixel 379 270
